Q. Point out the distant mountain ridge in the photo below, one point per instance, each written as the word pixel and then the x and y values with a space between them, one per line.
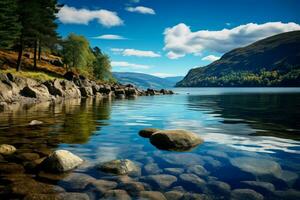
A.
pixel 146 80
pixel 274 61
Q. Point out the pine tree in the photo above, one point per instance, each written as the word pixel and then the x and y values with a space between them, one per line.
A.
pixel 9 24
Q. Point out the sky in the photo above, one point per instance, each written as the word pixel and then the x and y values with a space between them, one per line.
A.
pixel 169 37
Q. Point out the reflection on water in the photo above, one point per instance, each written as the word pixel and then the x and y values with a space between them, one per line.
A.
pixel 251 140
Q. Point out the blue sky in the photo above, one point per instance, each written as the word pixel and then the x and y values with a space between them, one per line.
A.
pixel 169 37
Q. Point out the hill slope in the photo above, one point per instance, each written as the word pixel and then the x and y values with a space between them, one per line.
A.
pixel 145 80
pixel 274 61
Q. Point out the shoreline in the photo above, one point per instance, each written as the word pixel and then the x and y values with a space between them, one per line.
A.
pixel 16 90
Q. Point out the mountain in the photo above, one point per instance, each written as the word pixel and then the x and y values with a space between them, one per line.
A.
pixel 146 80
pixel 274 61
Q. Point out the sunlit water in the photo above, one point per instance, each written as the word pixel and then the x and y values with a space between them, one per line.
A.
pixel 250 134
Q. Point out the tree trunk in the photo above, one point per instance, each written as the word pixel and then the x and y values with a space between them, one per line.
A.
pixel 19 62
pixel 35 54
pixel 40 50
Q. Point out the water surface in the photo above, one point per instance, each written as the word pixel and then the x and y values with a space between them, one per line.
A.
pixel 252 135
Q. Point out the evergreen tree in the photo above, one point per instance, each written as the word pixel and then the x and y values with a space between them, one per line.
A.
pixel 9 24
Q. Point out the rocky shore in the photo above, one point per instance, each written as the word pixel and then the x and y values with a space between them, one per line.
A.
pixel 14 89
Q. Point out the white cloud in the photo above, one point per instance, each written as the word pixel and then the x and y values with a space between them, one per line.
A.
pixel 141 9
pixel 110 37
pixel 129 65
pixel 71 15
pixel 135 52
pixel 210 58
pixel 180 40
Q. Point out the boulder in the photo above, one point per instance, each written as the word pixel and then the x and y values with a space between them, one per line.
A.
pixel 147 132
pixel 150 92
pixel 242 194
pixel 38 91
pixel 259 186
pixel 101 186
pixel 6 149
pixel 86 91
pixel 152 168
pixel 54 87
pixel 10 168
pixel 219 188
pixel 131 91
pixel 95 88
pixel 58 196
pixel 133 188
pixel 105 90
pixel 120 167
pixel 61 161
pixel 76 181
pixel 177 140
pixel 119 92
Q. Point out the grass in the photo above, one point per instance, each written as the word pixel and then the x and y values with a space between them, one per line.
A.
pixel 30 74
pixel 44 71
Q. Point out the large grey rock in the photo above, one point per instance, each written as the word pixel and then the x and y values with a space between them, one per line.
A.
pixel 178 140
pixel 61 161
pixel 163 181
pixel 7 149
pixel 151 195
pixel 242 194
pixel 257 166
pixel 101 186
pixel 86 91
pixel 63 88
pixel 39 92
pixel 219 188
pixel 35 123
pixel 120 167
pixel 147 132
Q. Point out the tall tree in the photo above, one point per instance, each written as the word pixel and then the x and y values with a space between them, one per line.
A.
pixel 9 24
pixel 101 65
pixel 77 52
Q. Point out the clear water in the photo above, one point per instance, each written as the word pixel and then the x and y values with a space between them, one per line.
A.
pixel 250 134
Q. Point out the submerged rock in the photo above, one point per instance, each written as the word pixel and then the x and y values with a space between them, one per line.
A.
pixel 174 171
pixel 120 167
pixel 163 181
pixel 151 195
pixel 198 170
pixel 116 195
pixel 152 168
pixel 35 122
pixel 61 161
pixel 177 140
pixel 133 188
pixel 256 166
pixel 59 196
pixel 7 149
pixel 242 194
pixel 147 132
pixel 174 195
pixel 101 186
pixel 76 181
pixel 259 186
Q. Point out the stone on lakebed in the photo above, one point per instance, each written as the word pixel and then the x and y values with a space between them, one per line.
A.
pixel 61 161
pixel 176 140
pixel 119 167
pixel 147 132
pixel 7 149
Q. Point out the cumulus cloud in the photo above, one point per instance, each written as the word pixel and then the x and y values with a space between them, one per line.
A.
pixel 110 37
pixel 141 9
pixel 135 52
pixel 71 15
pixel 210 58
pixel 180 40
pixel 129 65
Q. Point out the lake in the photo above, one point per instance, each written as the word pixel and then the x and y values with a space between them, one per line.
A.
pixel 251 143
